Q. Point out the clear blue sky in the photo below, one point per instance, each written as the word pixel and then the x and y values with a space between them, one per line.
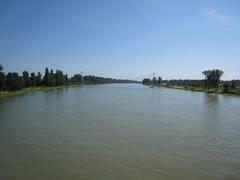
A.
pixel 124 38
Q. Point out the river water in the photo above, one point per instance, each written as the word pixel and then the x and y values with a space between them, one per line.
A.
pixel 119 131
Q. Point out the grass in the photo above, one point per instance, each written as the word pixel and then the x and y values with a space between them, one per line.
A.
pixel 199 89
pixel 32 89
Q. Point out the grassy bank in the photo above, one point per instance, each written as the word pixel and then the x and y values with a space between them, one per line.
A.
pixel 199 89
pixel 32 89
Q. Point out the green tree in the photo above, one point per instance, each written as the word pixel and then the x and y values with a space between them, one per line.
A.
pixel 76 79
pixel 33 80
pixel 226 87
pixel 212 77
pixel 154 81
pixel 9 80
pixel 159 80
pixel 2 78
pixel 233 85
pixel 14 81
pixel 66 79
pixel 26 78
pixel 146 81
pixel 59 78
pixel 52 79
pixel 39 79
pixel 46 77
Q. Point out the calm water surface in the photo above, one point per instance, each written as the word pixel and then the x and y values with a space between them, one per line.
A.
pixel 119 131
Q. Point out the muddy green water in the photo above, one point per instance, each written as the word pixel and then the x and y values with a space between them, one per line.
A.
pixel 119 131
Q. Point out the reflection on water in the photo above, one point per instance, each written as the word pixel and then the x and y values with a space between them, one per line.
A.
pixel 119 131
pixel 211 98
pixel 211 108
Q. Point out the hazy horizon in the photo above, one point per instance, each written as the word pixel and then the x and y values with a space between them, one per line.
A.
pixel 121 39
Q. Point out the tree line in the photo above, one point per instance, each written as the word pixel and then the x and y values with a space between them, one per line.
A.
pixel 212 81
pixel 154 81
pixel 90 79
pixel 13 81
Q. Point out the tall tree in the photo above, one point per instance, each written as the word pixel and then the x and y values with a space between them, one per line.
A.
pixel 33 79
pixel 159 80
pixel 59 78
pixel 14 82
pixel 66 79
pixel 76 79
pixel 212 77
pixel 2 78
pixel 26 78
pixel 226 87
pixel 39 79
pixel 233 85
pixel 154 81
pixel 46 77
pixel 146 81
pixel 52 79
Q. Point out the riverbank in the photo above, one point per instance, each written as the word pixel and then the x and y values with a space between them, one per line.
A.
pixel 33 89
pixel 198 89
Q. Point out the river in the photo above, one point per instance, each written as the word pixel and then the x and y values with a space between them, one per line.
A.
pixel 119 131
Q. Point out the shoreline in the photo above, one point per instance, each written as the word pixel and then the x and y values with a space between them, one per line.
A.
pixel 36 89
pixel 33 89
pixel 28 90
pixel 195 89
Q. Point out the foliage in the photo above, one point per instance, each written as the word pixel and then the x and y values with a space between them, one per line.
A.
pixel 39 79
pixel 212 78
pixel 14 81
pixel 76 79
pixel 33 80
pixel 26 78
pixel 226 87
pixel 1 67
pixel 60 78
pixel 185 83
pixel 159 80
pixel 2 79
pixel 46 77
pixel 52 79
pixel 147 81
pixel 154 81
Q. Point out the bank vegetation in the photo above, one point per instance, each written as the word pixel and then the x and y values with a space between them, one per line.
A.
pixel 211 83
pixel 12 83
